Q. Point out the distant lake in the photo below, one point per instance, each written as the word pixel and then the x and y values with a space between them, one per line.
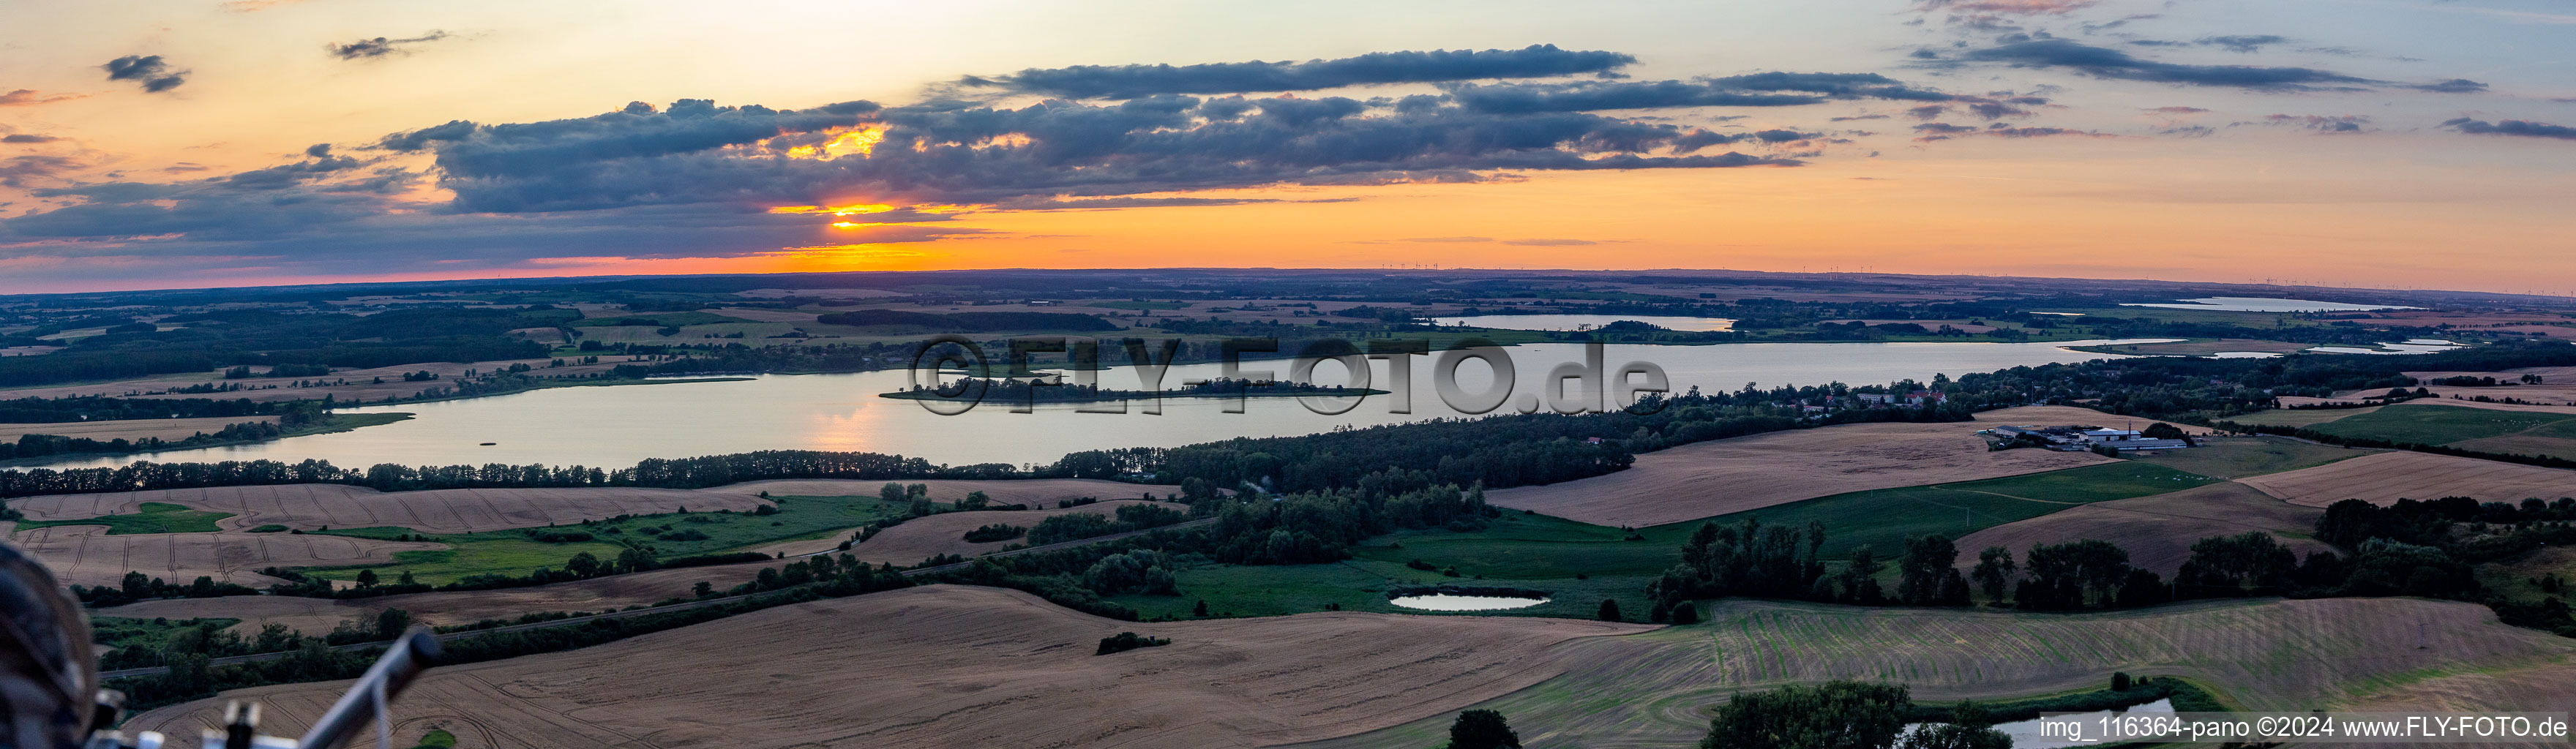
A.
pixel 2263 304
pixel 617 426
pixel 1586 322
pixel 2411 346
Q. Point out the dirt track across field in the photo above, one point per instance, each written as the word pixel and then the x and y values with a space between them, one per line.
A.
pixel 950 666
pixel 2384 478
pixel 1748 473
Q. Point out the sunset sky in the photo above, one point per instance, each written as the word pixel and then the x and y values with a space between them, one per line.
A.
pixel 2407 143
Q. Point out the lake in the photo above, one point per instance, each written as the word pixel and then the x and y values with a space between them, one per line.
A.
pixel 617 426
pixel 1586 322
pixel 2264 304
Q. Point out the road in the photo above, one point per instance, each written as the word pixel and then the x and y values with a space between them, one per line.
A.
pixel 683 606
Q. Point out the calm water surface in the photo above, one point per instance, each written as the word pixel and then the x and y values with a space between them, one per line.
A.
pixel 1447 602
pixel 2265 304
pixel 1573 322
pixel 617 426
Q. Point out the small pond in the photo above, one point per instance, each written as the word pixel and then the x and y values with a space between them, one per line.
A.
pixel 1450 602
pixel 2026 733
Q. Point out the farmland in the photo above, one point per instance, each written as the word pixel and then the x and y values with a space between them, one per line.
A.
pixel 318 615
pixel 313 506
pixel 2384 478
pixel 87 555
pixel 149 517
pixel 168 430
pixel 2300 417
pixel 1581 563
pixel 1883 520
pixel 978 666
pixel 513 552
pixel 944 533
pixel 1650 690
pixel 1747 473
pixel 2157 531
pixel 2437 424
pixel 2239 457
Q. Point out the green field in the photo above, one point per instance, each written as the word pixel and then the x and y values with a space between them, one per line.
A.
pixel 1583 563
pixel 1883 519
pixel 153 517
pixel 512 552
pixel 2239 457
pixel 2438 425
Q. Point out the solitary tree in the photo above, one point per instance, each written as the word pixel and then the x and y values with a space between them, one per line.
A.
pixel 1610 610
pixel 1994 569
pixel 390 623
pixel 1482 729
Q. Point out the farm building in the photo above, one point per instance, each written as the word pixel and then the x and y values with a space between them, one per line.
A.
pixel 2074 437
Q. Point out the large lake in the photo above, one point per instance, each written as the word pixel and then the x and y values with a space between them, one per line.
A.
pixel 617 426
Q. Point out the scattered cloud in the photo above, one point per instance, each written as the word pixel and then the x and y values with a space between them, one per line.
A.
pixel 368 49
pixel 149 71
pixel 2103 62
pixel 1753 90
pixel 2328 124
pixel 28 97
pixel 17 171
pixel 2524 128
pixel 27 138
pixel 1131 81
pixel 2021 7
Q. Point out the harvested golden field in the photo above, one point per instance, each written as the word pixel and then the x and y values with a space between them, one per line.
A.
pixel 945 533
pixel 1722 476
pixel 171 430
pixel 1035 493
pixel 948 666
pixel 2384 478
pixel 1653 689
pixel 85 554
pixel 2158 530
pixel 316 616
pixel 310 506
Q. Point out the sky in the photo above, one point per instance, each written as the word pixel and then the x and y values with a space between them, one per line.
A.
pixel 2371 143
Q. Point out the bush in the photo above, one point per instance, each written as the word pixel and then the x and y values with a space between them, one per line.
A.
pixel 1126 641
pixel 1482 729
pixel 995 532
pixel 1610 610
